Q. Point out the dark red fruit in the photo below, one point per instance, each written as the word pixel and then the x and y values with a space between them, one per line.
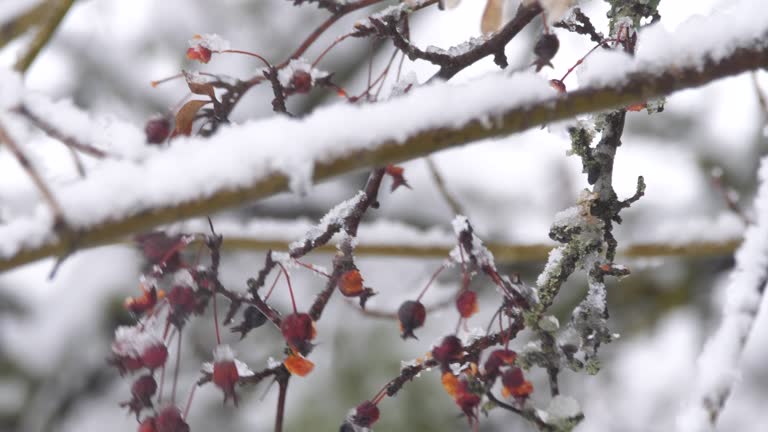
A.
pixel 169 420
pixel 298 330
pixel 468 402
pixel 154 356
pixel 157 130
pixel 412 315
pixel 449 349
pixel 497 359
pixel 301 81
pixel 466 303
pixel 143 389
pixel 366 414
pixel 182 300
pixel 125 364
pixel 545 49
pixel 225 377
pixel 148 425
pixel 513 378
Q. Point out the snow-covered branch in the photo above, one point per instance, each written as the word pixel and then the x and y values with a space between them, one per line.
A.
pixel 264 157
pixel 718 365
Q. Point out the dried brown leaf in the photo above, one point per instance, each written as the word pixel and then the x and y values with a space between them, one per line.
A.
pixel 204 89
pixel 492 16
pixel 186 116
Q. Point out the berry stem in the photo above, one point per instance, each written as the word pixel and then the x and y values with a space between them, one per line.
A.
pixel 313 268
pixel 160 386
pixel 216 320
pixel 432 279
pixel 272 288
pixel 380 395
pixel 330 47
pixel 290 288
pixel 164 80
pixel 178 366
pixel 581 60
pixel 231 51
pixel 189 401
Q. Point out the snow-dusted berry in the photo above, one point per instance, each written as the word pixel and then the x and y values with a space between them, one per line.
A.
pixel 225 373
pixel 154 356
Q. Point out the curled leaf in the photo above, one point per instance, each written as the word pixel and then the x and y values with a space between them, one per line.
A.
pixel 186 116
pixel 197 86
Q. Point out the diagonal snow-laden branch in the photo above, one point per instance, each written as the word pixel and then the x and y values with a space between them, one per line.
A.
pixel 260 158
pixel 718 365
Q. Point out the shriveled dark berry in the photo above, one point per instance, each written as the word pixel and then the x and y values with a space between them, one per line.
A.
pixel 545 49
pixel 412 315
pixel 157 130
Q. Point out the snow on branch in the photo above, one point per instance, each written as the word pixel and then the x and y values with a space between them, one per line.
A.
pixel 198 176
pixel 718 365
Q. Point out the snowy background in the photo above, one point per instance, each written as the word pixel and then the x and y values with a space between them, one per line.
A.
pixel 55 335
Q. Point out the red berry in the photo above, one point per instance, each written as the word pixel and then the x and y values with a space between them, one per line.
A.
pixel 125 363
pixel 467 402
pixel 199 53
pixel 182 299
pixel 143 389
pixel 225 377
pixel 169 420
pixel 148 425
pixel 298 330
pixel 366 414
pixel 301 81
pixel 449 349
pixel 412 315
pixel 557 85
pixel 396 172
pixel 351 283
pixel 157 130
pixel 513 378
pixel 497 359
pixel 154 356
pixel 466 303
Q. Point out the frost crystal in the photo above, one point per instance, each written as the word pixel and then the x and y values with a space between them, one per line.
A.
pixel 335 216
pixel 210 41
pixel 242 369
pixel 131 341
pixel 184 278
pixel 460 49
pixel 563 407
pixel 223 353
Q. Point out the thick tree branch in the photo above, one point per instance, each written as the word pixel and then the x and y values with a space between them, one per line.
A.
pixel 57 10
pixel 641 85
